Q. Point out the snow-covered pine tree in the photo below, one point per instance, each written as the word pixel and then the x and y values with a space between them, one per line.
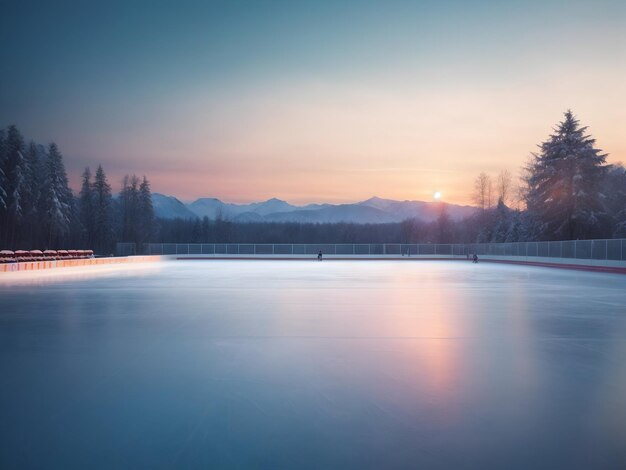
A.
pixel 35 156
pixel 14 172
pixel 56 198
pixel 129 208
pixel 615 183
pixel 514 231
pixel 86 208
pixel 15 168
pixel 103 203
pixel 486 223
pixel 564 191
pixel 502 222
pixel 3 180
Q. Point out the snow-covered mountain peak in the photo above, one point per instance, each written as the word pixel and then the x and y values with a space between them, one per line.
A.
pixel 372 210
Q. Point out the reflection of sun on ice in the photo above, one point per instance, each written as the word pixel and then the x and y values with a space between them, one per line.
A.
pixel 437 195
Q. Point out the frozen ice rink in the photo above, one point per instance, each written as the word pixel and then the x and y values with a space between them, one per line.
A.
pixel 300 364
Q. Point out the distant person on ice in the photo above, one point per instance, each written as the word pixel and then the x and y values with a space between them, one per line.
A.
pixel 475 258
pixel 319 256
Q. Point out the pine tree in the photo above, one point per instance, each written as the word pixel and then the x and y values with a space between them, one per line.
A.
pixel 86 208
pixel 615 186
pixel 32 192
pixel 15 187
pixel 129 209
pixel 502 222
pixel 137 211
pixel 34 179
pixel 146 211
pixel 14 170
pixel 102 206
pixel 514 230
pixel 3 180
pixel 57 199
pixel 564 193
pixel 486 220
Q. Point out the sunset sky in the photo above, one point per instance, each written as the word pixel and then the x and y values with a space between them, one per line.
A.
pixel 310 101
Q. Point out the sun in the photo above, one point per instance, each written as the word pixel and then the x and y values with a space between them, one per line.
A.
pixel 437 195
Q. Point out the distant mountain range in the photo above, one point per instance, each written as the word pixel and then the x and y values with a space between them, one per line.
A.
pixel 373 210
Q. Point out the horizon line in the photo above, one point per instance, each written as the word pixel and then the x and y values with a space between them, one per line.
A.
pixel 187 201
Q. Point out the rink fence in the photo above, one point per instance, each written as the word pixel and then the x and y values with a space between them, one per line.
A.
pixel 611 249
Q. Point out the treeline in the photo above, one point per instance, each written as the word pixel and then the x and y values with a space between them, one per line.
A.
pixel 496 224
pixel 224 231
pixel 39 210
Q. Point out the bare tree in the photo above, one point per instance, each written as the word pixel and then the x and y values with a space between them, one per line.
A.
pixel 504 186
pixel 482 191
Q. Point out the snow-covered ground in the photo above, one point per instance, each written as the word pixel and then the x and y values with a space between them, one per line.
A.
pixel 313 365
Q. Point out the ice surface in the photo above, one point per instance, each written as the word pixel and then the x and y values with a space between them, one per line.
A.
pixel 313 365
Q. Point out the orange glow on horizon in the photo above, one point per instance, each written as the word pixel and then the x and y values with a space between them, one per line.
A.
pixel 342 144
